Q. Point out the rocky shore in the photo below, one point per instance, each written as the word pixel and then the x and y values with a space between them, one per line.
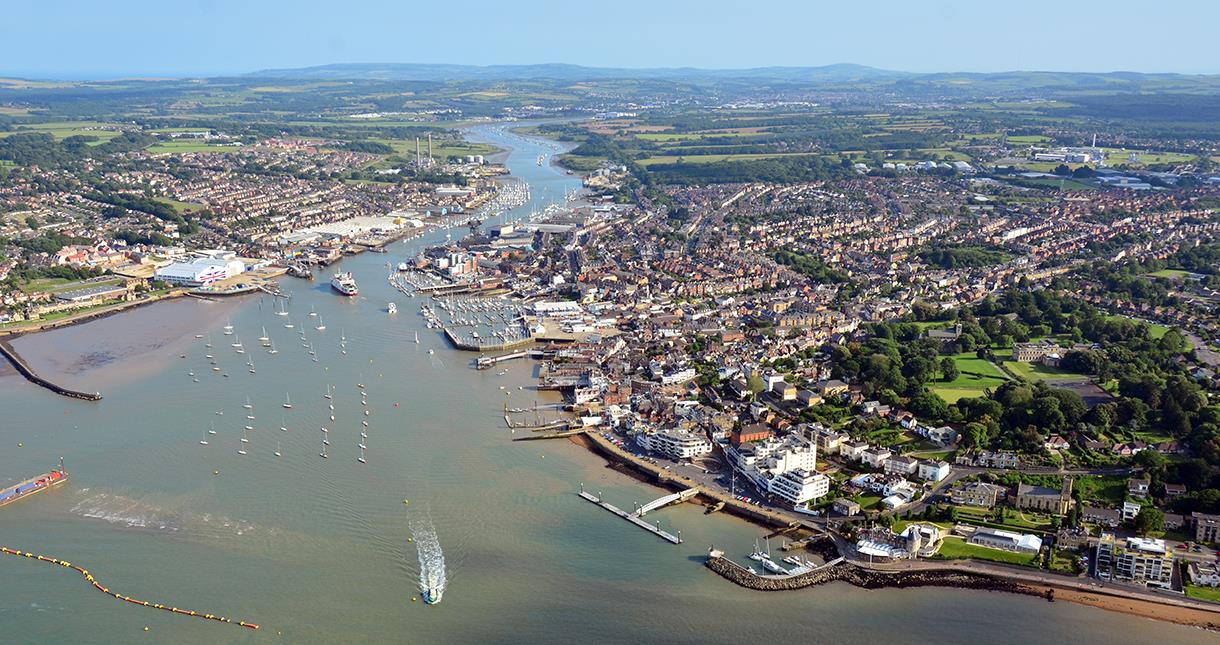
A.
pixel 868 579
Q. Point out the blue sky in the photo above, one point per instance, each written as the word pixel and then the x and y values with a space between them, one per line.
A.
pixel 106 38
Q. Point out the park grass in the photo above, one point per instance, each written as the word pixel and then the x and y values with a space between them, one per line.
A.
pixel 976 376
pixel 953 394
pixel 1040 372
pixel 180 207
pixel 1170 273
pixel 954 547
pixel 1210 594
pixel 1155 331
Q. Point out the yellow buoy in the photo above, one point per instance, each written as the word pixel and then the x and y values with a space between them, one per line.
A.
pixel 413 598
pixel 406 501
pixel 146 628
pixel 20 445
pixel 215 472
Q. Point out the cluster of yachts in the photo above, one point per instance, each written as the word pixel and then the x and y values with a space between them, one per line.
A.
pixel 269 345
pixel 763 558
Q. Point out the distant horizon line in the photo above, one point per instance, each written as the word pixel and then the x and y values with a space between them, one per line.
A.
pixel 82 76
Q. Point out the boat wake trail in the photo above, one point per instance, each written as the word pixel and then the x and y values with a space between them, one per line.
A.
pixel 431 559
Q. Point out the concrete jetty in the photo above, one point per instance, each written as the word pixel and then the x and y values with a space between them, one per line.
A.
pixel 634 518
pixel 28 372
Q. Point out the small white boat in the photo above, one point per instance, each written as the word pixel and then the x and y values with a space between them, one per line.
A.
pixel 416 338
pixel 391 308
pixel 264 337
pixel 247 404
pixel 277 449
pixel 327 395
pixel 204 440
pixel 287 402
pixel 228 329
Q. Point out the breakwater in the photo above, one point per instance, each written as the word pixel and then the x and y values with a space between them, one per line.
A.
pixel 102 588
pixel 28 372
pixel 867 578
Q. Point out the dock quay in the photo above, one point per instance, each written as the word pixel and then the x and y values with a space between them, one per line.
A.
pixel 28 372
pixel 458 343
pixel 551 435
pixel 634 518
pixel 488 362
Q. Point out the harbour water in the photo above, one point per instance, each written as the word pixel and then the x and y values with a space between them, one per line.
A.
pixel 316 550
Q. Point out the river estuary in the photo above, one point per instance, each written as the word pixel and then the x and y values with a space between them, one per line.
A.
pixel 316 550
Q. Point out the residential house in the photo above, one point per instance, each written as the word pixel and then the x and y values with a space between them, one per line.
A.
pixel 1107 517
pixel 901 465
pixel 844 506
pixel 978 494
pixel 875 457
pixel 933 471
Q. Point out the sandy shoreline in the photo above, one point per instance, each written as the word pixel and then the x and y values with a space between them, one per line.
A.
pixel 1137 607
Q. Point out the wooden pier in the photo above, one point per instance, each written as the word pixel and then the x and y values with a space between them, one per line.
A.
pixel 632 517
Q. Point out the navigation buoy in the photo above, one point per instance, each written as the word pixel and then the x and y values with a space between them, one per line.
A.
pixel 215 472
pixel 146 628
pixel 413 598
pixel 406 501
pixel 20 445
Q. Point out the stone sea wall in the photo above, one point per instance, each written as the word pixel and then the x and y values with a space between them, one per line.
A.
pixel 866 578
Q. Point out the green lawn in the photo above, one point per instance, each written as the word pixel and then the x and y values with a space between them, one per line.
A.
pixel 1103 490
pixel 181 207
pixel 976 375
pixel 1154 330
pixel 1040 372
pixel 1203 593
pixel 955 547
pixel 1170 273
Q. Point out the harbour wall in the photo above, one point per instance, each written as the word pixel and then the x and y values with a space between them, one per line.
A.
pixel 28 372
pixel 868 579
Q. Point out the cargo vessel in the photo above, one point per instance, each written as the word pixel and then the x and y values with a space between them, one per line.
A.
pixel 345 284
pixel 33 485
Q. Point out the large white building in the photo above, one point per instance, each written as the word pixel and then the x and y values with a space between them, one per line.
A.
pixel 675 443
pixel 201 271
pixel 798 486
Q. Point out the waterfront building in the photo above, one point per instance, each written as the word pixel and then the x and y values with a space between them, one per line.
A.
pixel 1005 540
pixel 200 271
pixel 1139 560
pixel 675 443
pixel 798 486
